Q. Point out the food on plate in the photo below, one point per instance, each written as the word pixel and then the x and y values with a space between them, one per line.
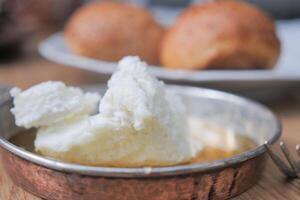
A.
pixel 140 123
pixel 110 31
pixel 224 35
pixel 218 142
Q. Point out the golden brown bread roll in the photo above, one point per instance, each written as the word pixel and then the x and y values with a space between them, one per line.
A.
pixel 110 31
pixel 221 35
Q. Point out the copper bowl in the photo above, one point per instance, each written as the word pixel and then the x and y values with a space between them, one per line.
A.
pixel 221 179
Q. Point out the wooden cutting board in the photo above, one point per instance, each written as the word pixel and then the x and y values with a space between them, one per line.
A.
pixel 272 186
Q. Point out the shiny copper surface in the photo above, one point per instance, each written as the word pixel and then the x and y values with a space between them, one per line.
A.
pixel 55 185
pixel 221 179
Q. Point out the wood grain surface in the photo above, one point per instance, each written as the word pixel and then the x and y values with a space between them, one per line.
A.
pixel 272 186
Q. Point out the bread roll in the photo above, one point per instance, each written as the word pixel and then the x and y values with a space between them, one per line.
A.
pixel 221 35
pixel 110 31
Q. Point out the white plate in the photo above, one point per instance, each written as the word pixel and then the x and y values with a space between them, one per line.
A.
pixel 286 72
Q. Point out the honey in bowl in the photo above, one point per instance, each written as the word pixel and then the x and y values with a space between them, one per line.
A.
pixel 218 143
pixel 210 153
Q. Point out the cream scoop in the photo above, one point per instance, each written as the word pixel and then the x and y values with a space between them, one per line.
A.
pixel 50 102
pixel 139 123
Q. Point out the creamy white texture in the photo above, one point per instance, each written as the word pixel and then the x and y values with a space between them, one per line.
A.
pixel 50 102
pixel 140 123
pixel 135 97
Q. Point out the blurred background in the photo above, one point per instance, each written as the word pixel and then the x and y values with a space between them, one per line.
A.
pixel 23 24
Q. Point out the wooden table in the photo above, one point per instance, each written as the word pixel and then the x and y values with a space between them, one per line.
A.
pixel 273 185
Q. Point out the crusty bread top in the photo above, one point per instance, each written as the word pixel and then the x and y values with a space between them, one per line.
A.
pixel 224 33
pixel 110 31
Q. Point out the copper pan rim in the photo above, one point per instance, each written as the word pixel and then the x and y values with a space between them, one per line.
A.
pixel 153 171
